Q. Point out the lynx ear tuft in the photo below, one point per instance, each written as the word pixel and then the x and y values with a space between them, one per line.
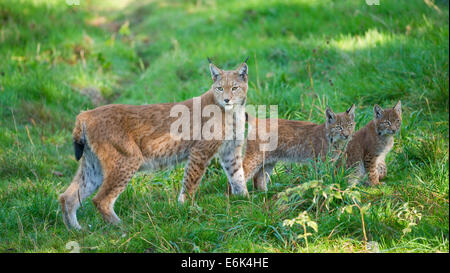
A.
pixel 378 111
pixel 215 72
pixel 398 107
pixel 246 59
pixel 351 112
pixel 243 71
pixel 331 116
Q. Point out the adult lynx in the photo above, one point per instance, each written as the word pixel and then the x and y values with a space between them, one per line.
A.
pixel 298 141
pixel 115 141
pixel 368 148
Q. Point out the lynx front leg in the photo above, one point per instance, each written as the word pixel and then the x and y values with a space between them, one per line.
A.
pixel 371 168
pixel 252 164
pixel 231 160
pixel 382 169
pixel 262 177
pixel 193 172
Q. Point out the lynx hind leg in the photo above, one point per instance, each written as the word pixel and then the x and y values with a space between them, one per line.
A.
pixel 382 170
pixel 117 174
pixel 261 178
pixel 87 179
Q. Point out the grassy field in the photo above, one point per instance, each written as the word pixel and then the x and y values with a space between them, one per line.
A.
pixel 57 60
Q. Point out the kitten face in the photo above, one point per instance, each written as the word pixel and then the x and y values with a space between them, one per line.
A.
pixel 388 121
pixel 230 87
pixel 340 127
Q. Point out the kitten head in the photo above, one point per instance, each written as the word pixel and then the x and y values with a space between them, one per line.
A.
pixel 340 127
pixel 229 87
pixel 388 121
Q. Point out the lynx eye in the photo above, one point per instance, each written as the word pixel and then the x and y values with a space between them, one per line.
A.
pixel 220 89
pixel 234 88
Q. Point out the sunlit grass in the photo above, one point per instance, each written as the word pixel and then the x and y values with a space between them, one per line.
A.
pixel 371 39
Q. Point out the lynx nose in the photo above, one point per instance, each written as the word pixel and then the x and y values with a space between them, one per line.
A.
pixel 226 100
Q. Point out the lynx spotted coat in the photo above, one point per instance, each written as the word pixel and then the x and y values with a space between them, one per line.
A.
pixel 115 141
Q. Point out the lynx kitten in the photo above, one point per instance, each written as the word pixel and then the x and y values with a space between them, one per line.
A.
pixel 298 141
pixel 369 146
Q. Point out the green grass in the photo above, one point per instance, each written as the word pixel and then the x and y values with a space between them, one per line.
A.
pixel 304 55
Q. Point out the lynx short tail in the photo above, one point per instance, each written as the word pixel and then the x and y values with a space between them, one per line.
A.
pixel 78 139
pixel 78 147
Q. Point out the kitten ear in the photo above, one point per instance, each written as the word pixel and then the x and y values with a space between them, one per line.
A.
pixel 331 116
pixel 398 108
pixel 378 111
pixel 215 72
pixel 351 112
pixel 243 70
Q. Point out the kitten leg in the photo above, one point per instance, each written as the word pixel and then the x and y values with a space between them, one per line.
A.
pixel 382 169
pixel 253 162
pixel 262 177
pixel 359 172
pixel 371 167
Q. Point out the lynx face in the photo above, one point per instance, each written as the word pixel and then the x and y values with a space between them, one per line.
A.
pixel 340 127
pixel 230 87
pixel 388 121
